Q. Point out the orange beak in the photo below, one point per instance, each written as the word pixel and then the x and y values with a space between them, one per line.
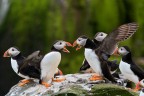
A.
pixel 75 43
pixel 116 52
pixel 68 44
pixel 78 47
pixel 65 49
pixel 6 54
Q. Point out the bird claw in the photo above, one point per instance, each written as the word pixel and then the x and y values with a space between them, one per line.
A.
pixel 95 77
pixel 23 82
pixel 46 84
pixel 58 79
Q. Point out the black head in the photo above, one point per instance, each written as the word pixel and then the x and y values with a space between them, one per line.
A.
pixel 84 41
pixel 12 52
pixel 124 50
pixel 99 36
pixel 61 45
pixel 81 41
pixel 84 37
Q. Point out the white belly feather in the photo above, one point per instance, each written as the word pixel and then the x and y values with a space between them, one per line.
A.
pixel 127 72
pixel 14 65
pixel 93 61
pixel 49 65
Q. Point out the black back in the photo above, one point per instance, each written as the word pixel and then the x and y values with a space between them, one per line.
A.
pixel 137 70
pixel 31 65
pixel 90 44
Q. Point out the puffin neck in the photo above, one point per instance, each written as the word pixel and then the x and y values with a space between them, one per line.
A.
pixel 19 56
pixel 54 49
pixel 90 44
pixel 127 58
pixel 97 43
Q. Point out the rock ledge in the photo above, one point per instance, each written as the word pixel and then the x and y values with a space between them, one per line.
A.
pixel 75 84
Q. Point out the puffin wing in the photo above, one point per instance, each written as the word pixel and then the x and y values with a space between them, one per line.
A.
pixel 122 33
pixel 31 65
pixel 105 70
pixel 137 71
pixel 85 65
pixel 113 65
pixel 33 55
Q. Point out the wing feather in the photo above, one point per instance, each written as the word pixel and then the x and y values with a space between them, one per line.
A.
pixel 31 65
pixel 122 33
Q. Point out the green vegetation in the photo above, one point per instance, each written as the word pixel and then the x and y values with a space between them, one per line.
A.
pixel 98 90
pixel 35 24
pixel 111 90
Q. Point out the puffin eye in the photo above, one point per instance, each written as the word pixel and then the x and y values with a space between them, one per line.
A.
pixel 12 49
pixel 101 34
pixel 60 43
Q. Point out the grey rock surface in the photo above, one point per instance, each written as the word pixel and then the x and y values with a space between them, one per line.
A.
pixel 76 84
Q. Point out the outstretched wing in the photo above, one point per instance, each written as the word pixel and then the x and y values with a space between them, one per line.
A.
pixel 31 65
pixel 122 33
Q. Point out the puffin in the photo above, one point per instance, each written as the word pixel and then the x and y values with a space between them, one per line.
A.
pixel 98 38
pixel 97 58
pixel 37 66
pixel 129 69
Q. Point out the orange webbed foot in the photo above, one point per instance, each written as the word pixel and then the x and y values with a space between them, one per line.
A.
pixel 95 77
pixel 59 79
pixel 46 84
pixel 136 89
pixel 23 82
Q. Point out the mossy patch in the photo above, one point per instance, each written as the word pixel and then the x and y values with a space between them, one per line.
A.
pixel 111 90
pixel 97 90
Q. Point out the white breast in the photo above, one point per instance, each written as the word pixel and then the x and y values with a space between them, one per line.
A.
pixel 14 65
pixel 15 68
pixel 49 65
pixel 127 72
pixel 93 60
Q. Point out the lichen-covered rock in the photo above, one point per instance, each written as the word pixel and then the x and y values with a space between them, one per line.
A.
pixel 75 84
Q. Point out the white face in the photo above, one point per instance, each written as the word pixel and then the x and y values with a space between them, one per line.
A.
pixel 81 41
pixel 122 51
pixel 100 36
pixel 13 51
pixel 60 45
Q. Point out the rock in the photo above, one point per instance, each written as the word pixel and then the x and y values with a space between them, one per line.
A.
pixel 75 84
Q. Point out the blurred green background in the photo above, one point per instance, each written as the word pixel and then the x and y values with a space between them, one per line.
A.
pixel 36 24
